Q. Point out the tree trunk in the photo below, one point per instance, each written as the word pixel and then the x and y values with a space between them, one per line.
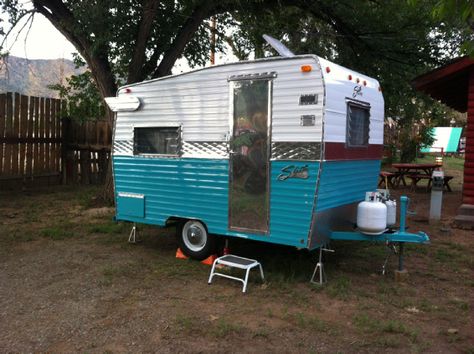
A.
pixel 106 195
pixel 97 59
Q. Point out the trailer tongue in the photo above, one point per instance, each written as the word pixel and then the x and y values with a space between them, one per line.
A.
pixel 390 236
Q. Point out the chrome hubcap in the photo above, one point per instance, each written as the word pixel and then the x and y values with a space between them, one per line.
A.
pixel 194 236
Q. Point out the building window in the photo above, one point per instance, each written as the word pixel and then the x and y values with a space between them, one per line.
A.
pixel 156 141
pixel 358 118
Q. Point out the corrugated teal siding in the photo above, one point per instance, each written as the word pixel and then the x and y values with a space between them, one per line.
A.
pixel 188 188
pixel 345 182
pixel 291 203
pixel 198 188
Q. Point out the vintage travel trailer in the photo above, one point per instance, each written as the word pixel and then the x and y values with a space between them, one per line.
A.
pixel 276 150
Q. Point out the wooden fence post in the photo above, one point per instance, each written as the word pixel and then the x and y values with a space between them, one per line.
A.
pixel 8 134
pixel 16 135
pixel 23 121
pixel 3 116
pixel 30 137
pixel 102 165
pixel 66 159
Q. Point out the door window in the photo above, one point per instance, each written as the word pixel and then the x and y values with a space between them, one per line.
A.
pixel 249 156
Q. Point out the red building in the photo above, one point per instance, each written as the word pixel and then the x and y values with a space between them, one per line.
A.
pixel 453 84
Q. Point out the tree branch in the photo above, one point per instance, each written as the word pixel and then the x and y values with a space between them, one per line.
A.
pixel 150 9
pixel 229 41
pixel 31 13
pixel 97 59
pixel 184 35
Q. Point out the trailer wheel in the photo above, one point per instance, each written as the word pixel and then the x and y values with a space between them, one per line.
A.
pixel 194 240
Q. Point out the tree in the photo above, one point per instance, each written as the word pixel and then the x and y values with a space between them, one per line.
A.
pixel 394 41
pixel 460 12
pixel 125 41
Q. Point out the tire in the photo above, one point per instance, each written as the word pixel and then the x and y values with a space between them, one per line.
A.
pixel 194 240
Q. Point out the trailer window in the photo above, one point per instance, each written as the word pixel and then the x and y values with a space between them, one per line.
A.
pixel 358 119
pixel 156 141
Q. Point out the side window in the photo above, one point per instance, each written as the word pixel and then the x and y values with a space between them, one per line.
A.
pixel 156 141
pixel 358 118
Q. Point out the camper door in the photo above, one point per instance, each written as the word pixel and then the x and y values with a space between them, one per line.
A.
pixel 249 155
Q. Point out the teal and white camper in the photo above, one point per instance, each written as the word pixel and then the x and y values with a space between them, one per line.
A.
pixel 276 150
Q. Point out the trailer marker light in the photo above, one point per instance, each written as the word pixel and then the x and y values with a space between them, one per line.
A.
pixel 380 88
pixel 358 80
pixel 127 90
pixel 306 68
pixel 365 83
pixel 350 77
pixel 328 69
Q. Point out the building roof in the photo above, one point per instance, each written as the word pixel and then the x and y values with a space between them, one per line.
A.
pixel 449 83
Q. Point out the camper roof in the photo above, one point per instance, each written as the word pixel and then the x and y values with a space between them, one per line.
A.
pixel 338 72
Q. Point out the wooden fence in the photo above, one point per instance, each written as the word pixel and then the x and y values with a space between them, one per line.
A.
pixel 87 151
pixel 30 138
pixel 38 147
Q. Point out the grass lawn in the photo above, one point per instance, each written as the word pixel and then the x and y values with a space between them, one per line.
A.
pixel 70 282
pixel 450 163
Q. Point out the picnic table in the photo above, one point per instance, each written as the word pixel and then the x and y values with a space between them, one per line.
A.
pixel 405 169
pixel 417 172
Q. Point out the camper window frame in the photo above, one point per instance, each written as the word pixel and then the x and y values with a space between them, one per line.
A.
pixel 179 130
pixel 361 105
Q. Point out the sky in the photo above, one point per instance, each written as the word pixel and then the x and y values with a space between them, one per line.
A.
pixel 43 41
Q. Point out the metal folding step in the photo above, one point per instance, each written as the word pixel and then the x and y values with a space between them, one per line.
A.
pixel 233 261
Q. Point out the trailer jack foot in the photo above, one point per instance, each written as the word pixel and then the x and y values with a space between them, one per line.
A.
pixel 320 268
pixel 133 235
pixel 391 249
pixel 401 275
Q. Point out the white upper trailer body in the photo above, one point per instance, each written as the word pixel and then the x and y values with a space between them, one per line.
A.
pixel 277 150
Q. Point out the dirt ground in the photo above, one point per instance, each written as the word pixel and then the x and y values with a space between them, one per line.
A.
pixel 70 282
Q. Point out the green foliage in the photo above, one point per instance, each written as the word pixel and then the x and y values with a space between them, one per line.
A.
pixel 411 141
pixel 461 12
pixel 83 100
pixel 394 41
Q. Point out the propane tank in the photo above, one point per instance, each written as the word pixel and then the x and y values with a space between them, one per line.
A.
pixel 391 212
pixel 372 215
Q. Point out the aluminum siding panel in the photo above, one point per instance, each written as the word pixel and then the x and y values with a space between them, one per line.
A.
pixel 338 88
pixel 345 182
pixel 200 101
pixel 198 189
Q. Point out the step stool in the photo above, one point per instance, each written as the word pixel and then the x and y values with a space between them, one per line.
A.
pixel 232 261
